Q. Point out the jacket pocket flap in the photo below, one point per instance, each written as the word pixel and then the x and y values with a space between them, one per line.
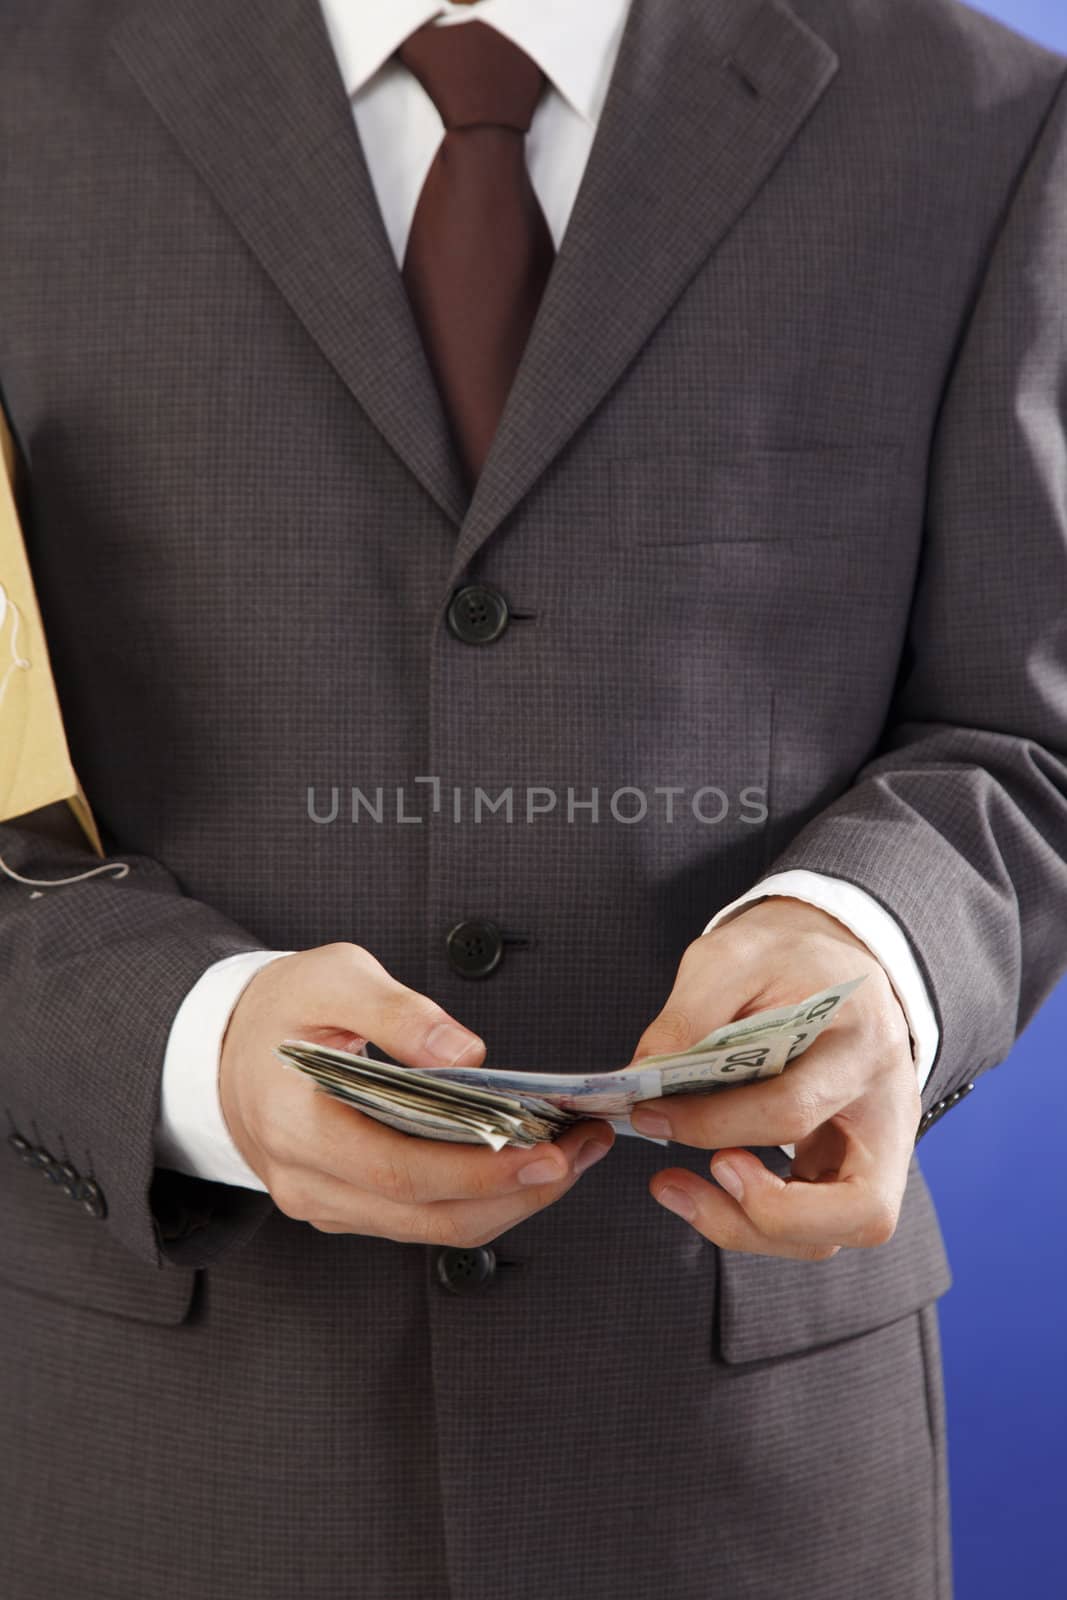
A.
pixel 769 1307
pixel 50 1247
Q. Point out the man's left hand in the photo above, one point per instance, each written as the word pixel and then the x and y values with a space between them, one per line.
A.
pixel 850 1104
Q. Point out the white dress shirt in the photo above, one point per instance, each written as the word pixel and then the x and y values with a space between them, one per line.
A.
pixel 399 130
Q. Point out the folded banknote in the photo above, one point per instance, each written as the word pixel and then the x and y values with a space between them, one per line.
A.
pixel 510 1106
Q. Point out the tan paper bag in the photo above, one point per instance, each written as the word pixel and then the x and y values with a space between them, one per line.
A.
pixel 35 766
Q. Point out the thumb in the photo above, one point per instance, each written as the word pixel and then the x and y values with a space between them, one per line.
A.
pixel 343 990
pixel 710 989
pixel 669 1033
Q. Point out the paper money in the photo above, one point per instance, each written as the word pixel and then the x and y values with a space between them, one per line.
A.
pixel 411 1101
pixel 498 1107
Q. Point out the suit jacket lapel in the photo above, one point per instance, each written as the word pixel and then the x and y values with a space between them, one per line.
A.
pixel 705 97
pixel 251 92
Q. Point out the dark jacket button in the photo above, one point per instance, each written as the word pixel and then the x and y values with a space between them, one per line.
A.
pixel 22 1147
pixel 40 1158
pixel 474 949
pixel 477 614
pixel 464 1271
pixel 90 1197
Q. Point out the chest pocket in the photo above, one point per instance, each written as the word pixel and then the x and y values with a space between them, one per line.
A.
pixel 784 496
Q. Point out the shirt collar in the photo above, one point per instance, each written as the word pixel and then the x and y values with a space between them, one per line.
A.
pixel 573 44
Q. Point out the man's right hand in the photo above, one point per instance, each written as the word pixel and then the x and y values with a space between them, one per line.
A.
pixel 329 1165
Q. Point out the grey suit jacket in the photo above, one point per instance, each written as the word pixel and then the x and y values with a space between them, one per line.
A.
pixel 777 501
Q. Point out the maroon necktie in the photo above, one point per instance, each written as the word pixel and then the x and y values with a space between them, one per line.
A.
pixel 479 251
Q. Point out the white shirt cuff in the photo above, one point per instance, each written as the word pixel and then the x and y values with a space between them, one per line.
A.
pixel 882 935
pixel 192 1135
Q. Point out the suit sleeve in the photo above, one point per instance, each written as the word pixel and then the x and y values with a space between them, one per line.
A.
pixel 958 825
pixel 92 974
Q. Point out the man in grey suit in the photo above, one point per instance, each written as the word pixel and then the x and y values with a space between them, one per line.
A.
pixel 672 443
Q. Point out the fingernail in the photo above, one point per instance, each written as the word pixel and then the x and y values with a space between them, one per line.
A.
pixel 589 1154
pixel 729 1178
pixel 543 1171
pixel 678 1201
pixel 449 1043
pixel 650 1122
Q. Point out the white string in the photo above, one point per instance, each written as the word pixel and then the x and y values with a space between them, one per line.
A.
pixel 119 868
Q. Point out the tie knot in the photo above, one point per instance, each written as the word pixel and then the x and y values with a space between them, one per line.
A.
pixel 473 74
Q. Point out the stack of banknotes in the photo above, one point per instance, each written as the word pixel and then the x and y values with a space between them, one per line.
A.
pixel 498 1106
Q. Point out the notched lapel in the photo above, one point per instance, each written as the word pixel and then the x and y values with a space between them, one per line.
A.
pixel 251 92
pixel 705 98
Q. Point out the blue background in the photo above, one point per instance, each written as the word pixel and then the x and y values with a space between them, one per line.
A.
pixel 996 1167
